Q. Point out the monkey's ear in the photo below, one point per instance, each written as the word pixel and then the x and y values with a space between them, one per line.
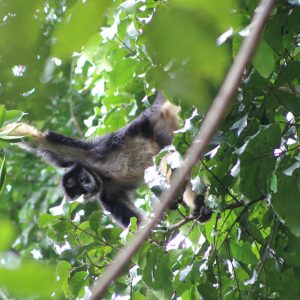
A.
pixel 169 110
pixel 22 130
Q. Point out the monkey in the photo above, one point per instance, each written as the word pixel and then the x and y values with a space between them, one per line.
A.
pixel 112 166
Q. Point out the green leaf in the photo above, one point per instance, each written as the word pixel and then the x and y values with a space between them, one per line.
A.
pixel 77 283
pixel 7 234
pixel 264 61
pixel 60 229
pixel 2 115
pixel 46 219
pixel 63 270
pixel 123 71
pixel 13 116
pixel 95 219
pixel 163 274
pixel 81 22
pixel 170 34
pixel 242 252
pixel 29 279
pixel 289 101
pixel 257 161
pixel 21 32
pixel 289 73
pixel 286 202
pixel 191 294
pixel 138 296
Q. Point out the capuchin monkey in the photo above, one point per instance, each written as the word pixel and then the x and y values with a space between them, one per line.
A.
pixel 112 166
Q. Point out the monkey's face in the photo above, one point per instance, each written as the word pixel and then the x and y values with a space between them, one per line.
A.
pixel 79 181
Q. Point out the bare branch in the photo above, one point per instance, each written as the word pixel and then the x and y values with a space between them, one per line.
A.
pixel 208 129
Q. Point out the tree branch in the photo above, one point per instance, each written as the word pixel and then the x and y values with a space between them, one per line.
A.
pixel 208 129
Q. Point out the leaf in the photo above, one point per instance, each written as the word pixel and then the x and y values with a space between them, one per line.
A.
pixel 123 71
pixel 46 219
pixel 242 252
pixel 63 270
pixel 60 229
pixel 95 220
pixel 289 101
pixel 190 294
pixel 81 22
pixel 257 161
pixel 240 125
pixel 264 61
pixel 170 34
pixel 20 32
pixel 138 296
pixel 149 261
pixel 77 283
pixel 7 234
pixel 163 275
pixel 290 170
pixel 13 116
pixel 289 73
pixel 286 202
pixel 29 279
pixel 2 115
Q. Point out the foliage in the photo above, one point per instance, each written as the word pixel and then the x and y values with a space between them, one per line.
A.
pixel 85 68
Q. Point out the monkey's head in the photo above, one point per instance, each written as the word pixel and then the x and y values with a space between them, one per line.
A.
pixel 79 181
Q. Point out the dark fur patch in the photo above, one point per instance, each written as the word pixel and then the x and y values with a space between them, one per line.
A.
pixel 119 207
pixel 60 162
pixel 201 210
pixel 57 138
pixel 141 126
pixel 76 190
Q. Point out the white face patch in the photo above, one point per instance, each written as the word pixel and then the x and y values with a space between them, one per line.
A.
pixel 70 183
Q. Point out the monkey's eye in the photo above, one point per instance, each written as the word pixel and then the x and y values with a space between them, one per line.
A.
pixel 84 179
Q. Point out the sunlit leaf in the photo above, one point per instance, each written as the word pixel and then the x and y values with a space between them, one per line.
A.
pixel 264 61
pixel 80 23
pixel 13 116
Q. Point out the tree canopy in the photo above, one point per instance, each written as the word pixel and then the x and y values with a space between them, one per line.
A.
pixel 87 68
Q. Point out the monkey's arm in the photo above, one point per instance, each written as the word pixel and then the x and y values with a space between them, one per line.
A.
pixel 117 201
pixel 55 148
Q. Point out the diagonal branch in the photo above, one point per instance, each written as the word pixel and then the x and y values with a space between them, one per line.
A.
pixel 208 129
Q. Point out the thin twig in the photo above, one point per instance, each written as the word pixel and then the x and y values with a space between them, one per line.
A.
pixel 241 204
pixel 208 129
pixel 183 222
